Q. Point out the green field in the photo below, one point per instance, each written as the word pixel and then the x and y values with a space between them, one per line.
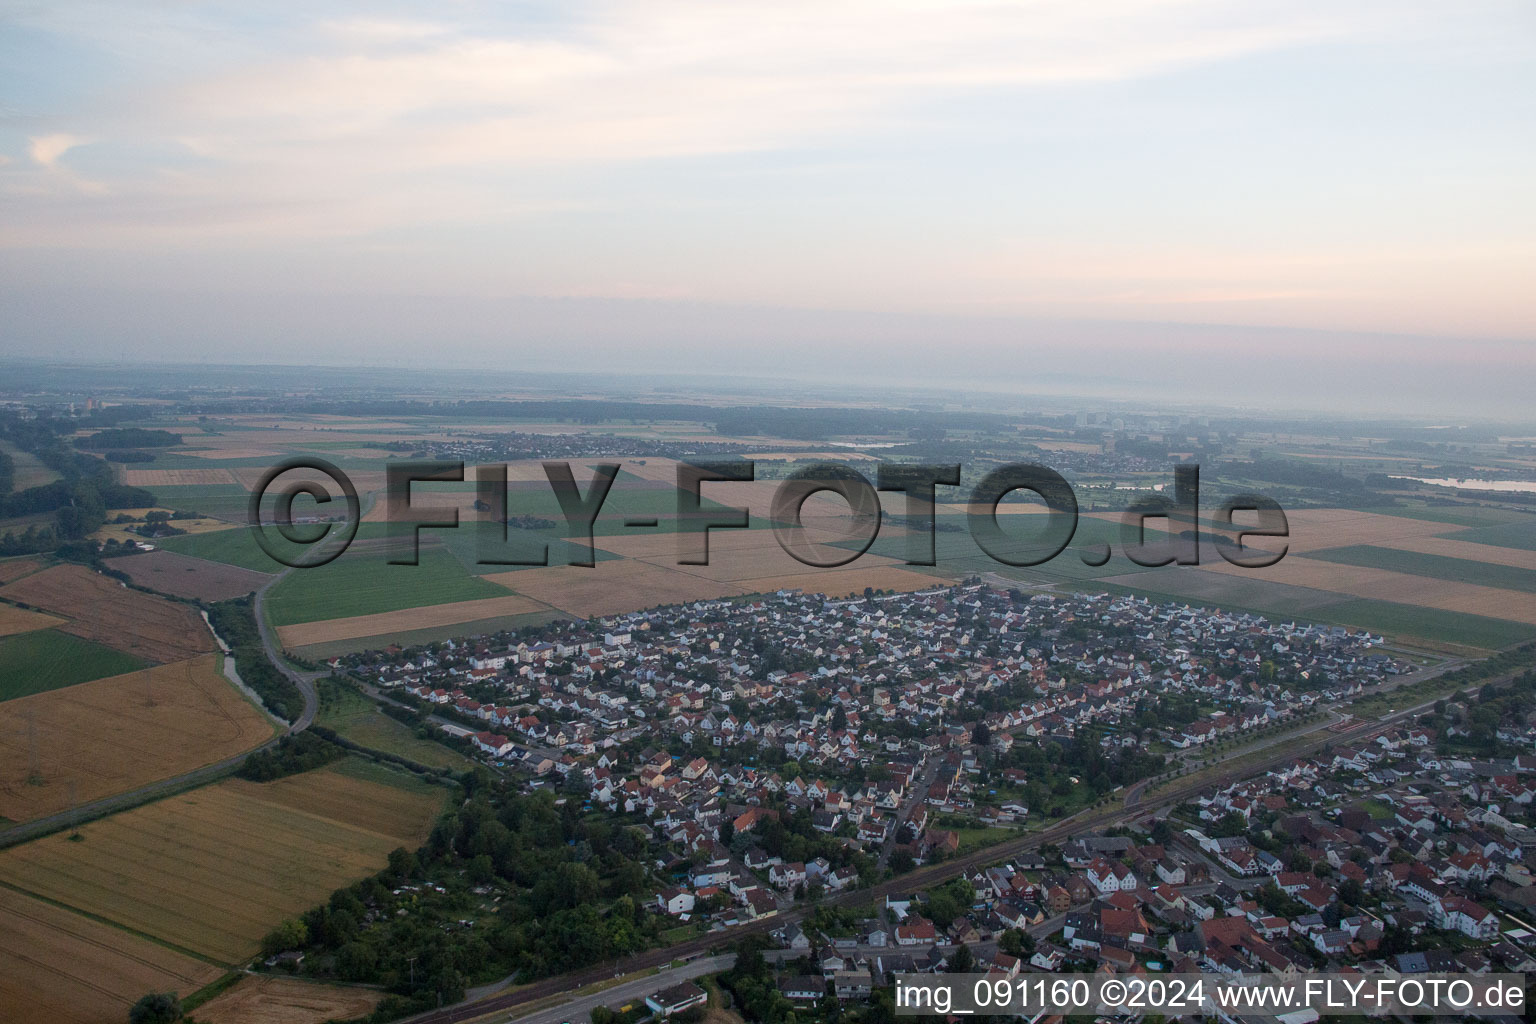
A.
pixel 1437 567
pixel 29 470
pixel 1452 515
pixel 48 659
pixel 358 719
pixel 1521 534
pixel 234 546
pixel 362 582
pixel 1411 621
pixel 222 501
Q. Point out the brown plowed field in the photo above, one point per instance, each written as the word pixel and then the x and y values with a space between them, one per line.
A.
pixel 185 576
pixel 102 609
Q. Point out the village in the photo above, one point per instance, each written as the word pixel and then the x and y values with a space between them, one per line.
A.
pixel 791 748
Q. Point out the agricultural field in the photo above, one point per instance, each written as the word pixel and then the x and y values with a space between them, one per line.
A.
pixel 58 752
pixel 29 469
pixel 100 608
pixel 231 546
pixel 268 1000
pixel 177 477
pixel 124 531
pixel 184 576
pixel 43 660
pixel 848 581
pixel 362 582
pixel 229 502
pixel 15 620
pixel 359 719
pixel 16 568
pixel 327 631
pixel 214 870
pixel 428 635
pixel 65 968
pixel 613 587
pixel 1385 585
pixel 1435 566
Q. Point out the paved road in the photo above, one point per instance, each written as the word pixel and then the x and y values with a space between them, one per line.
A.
pixel 634 991
pixel 921 780
pixel 305 681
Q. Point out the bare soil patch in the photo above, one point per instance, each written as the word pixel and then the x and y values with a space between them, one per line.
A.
pixel 256 1000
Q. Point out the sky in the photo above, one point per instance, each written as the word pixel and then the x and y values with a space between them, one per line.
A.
pixel 1305 203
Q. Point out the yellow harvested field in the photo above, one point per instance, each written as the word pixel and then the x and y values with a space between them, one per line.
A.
pixel 405 813
pixel 654 469
pixel 329 630
pixel 848 580
pixel 213 870
pixel 15 620
pixel 1384 585
pixel 176 477
pixel 1316 529
pixel 1449 547
pixel 93 743
pixel 265 1000
pixel 612 587
pixel 63 968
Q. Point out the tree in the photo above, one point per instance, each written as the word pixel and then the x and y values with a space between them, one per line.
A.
pixel 156 1008
pixel 1011 942
pixel 963 961
pixel 981 735
pixel 291 934
pixel 727 832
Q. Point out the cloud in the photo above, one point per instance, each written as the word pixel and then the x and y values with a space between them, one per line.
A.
pixel 559 149
pixel 46 149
